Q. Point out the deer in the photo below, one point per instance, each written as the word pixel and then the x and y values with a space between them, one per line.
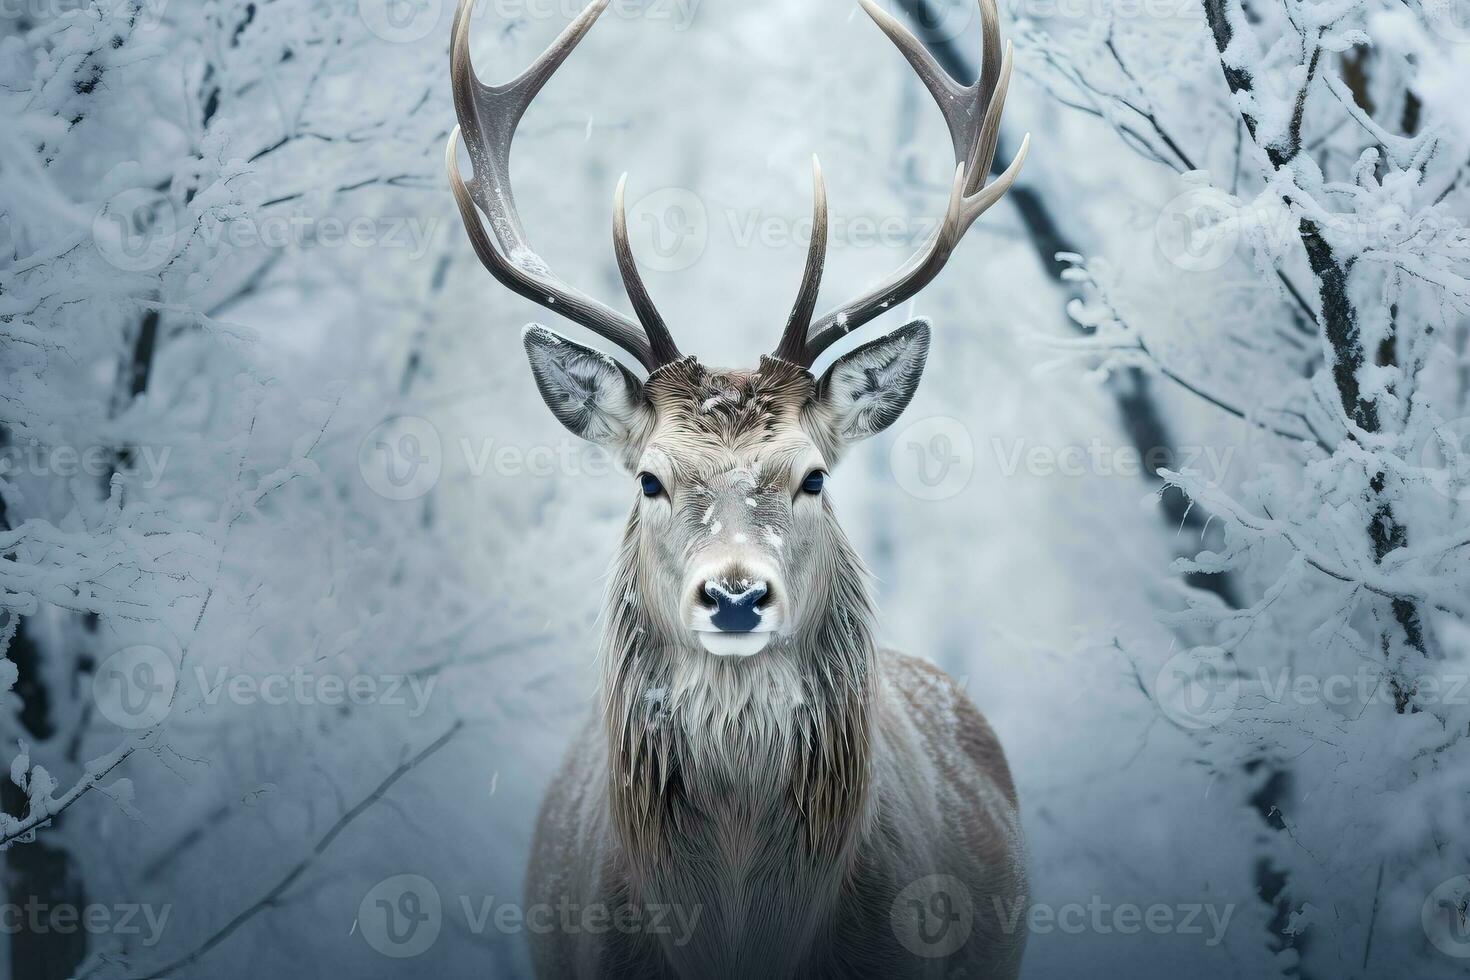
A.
pixel 809 803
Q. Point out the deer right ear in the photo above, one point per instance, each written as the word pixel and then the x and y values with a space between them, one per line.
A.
pixel 866 389
pixel 590 393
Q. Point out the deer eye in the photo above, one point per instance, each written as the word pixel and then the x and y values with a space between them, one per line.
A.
pixel 650 484
pixel 813 482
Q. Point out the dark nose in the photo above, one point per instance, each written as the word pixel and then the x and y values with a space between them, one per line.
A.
pixel 734 612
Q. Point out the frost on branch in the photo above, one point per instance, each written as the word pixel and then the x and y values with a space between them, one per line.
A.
pixel 1304 287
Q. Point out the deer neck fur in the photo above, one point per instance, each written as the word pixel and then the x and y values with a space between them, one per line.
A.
pixel 739 786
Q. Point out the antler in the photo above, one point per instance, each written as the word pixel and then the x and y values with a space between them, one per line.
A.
pixel 488 116
pixel 972 113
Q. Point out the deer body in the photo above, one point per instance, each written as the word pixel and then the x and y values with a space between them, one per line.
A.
pixel 762 908
pixel 763 792
pixel 775 806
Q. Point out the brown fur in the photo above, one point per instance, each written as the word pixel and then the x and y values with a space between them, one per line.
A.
pixel 788 798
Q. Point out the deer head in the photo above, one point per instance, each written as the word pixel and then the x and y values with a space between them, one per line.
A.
pixel 733 534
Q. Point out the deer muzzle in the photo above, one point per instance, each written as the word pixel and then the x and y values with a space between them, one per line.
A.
pixel 734 614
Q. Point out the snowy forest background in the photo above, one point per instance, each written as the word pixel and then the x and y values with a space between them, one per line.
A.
pixel 299 580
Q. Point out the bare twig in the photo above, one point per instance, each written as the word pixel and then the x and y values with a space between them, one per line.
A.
pixel 272 898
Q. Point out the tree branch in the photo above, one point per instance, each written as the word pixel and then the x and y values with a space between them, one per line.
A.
pixel 273 896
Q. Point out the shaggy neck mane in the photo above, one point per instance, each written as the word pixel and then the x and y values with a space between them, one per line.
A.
pixel 743 756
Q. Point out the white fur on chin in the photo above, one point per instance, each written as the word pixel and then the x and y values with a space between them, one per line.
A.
pixel 734 644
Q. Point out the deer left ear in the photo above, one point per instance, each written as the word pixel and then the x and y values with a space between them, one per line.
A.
pixel 867 389
pixel 592 395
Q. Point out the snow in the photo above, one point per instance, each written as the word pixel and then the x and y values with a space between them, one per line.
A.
pixel 290 528
pixel 528 261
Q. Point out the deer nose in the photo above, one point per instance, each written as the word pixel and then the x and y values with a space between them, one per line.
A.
pixel 737 610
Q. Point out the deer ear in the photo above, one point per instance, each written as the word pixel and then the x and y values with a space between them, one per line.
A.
pixel 590 393
pixel 867 389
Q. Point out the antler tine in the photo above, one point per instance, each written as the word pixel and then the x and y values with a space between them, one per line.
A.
pixel 488 116
pixel 948 93
pixel 661 341
pixel 972 114
pixel 793 339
